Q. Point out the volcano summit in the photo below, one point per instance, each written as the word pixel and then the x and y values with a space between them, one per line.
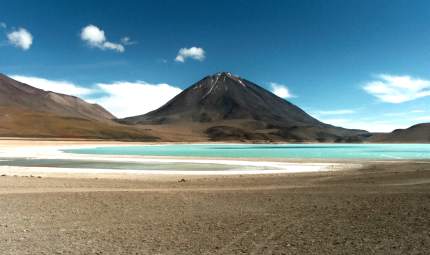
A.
pixel 226 107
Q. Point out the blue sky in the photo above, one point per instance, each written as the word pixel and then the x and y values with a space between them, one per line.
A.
pixel 358 64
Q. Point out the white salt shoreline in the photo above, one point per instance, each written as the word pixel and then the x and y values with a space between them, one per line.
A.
pixel 55 152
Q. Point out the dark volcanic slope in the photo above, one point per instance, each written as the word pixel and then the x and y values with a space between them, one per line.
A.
pixel 419 133
pixel 26 111
pixel 233 108
pixel 226 97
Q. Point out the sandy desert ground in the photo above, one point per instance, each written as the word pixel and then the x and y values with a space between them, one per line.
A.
pixel 383 208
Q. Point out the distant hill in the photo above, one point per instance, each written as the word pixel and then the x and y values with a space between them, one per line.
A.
pixel 419 133
pixel 14 94
pixel 26 111
pixel 224 107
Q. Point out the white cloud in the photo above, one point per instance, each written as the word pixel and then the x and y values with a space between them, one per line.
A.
pixel 281 90
pixel 3 25
pixel 193 53
pixel 398 89
pixel 125 99
pixel 20 38
pixel 95 37
pixel 63 87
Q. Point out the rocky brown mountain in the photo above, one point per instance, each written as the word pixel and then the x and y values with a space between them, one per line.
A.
pixel 26 111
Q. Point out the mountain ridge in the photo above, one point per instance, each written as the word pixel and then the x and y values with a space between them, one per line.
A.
pixel 419 133
pixel 17 94
pixel 219 107
pixel 26 111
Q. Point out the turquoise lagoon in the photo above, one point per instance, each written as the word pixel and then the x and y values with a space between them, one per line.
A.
pixel 291 151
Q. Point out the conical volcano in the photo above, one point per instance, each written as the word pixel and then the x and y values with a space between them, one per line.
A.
pixel 227 107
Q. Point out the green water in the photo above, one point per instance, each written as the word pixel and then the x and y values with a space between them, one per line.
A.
pixel 297 151
pixel 68 163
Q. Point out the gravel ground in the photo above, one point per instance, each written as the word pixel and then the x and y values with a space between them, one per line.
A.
pixel 380 209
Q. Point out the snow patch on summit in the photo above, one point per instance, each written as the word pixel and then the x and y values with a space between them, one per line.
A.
pixel 212 86
pixel 241 83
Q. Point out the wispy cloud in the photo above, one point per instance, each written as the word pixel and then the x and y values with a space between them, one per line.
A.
pixel 193 53
pixel 20 38
pixel 127 41
pixel 364 124
pixel 95 37
pixel 423 118
pixel 3 25
pixel 398 89
pixel 162 61
pixel 281 90
pixel 336 112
